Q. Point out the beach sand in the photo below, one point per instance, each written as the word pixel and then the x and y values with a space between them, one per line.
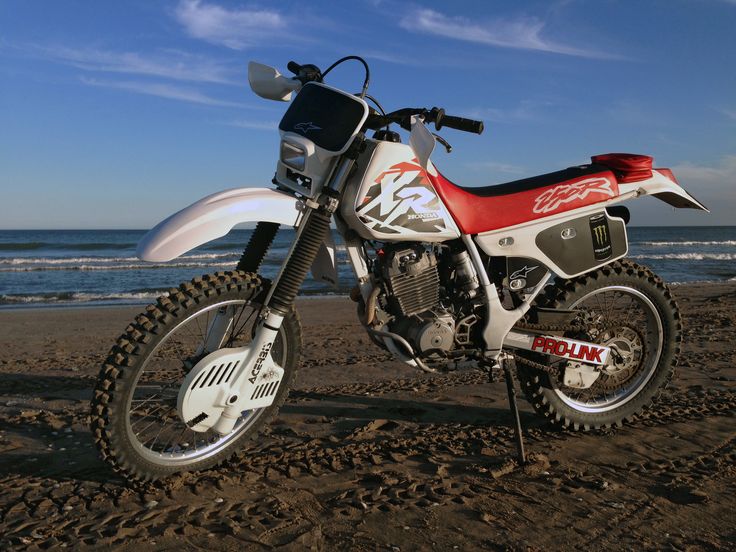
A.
pixel 368 454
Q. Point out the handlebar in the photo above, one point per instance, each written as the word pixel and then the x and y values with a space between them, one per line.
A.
pixel 459 123
pixel 305 73
pixel 311 73
pixel 435 115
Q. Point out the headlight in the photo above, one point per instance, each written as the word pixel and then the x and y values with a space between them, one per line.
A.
pixel 293 155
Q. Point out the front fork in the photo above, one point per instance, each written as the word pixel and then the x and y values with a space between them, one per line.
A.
pixel 249 368
pixel 311 234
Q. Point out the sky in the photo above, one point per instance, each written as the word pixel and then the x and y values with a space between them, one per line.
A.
pixel 116 114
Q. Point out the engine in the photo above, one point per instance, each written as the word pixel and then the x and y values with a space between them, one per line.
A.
pixel 427 296
pixel 412 280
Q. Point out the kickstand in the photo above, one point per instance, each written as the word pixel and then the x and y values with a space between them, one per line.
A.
pixel 505 363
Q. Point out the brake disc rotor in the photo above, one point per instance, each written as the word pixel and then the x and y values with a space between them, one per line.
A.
pixel 627 352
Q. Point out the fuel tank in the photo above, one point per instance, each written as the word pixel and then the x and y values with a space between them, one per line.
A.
pixel 390 197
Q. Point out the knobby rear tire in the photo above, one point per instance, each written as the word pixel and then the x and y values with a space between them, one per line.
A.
pixel 126 360
pixel 539 387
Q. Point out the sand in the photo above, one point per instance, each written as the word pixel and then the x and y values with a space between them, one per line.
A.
pixel 367 454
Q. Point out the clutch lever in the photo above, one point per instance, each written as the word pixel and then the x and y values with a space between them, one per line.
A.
pixel 444 142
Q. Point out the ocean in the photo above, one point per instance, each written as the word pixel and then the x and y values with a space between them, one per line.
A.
pixel 93 267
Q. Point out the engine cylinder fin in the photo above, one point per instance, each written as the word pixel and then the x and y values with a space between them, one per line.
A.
pixel 416 293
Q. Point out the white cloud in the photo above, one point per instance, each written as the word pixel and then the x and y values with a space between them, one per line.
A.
pixel 254 125
pixel 526 110
pixel 169 64
pixel 730 113
pixel 520 33
pixel 161 90
pixel 389 57
pixel 714 186
pixel 721 176
pixel 235 28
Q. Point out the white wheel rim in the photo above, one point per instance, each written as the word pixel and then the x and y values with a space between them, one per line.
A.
pixel 205 444
pixel 618 399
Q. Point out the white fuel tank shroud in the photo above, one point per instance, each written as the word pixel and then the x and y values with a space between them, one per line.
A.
pixel 391 198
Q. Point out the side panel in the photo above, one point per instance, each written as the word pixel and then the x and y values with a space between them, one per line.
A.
pixel 578 245
pixel 214 216
pixel 569 244
pixel 391 198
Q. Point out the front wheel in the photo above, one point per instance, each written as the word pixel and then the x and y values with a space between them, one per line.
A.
pixel 628 308
pixel 135 421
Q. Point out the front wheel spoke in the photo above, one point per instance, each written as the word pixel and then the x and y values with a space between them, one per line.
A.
pixel 148 415
pixel 178 438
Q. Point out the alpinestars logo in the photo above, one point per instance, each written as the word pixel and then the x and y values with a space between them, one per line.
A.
pixel 402 201
pixel 306 127
pixel 523 272
pixel 553 198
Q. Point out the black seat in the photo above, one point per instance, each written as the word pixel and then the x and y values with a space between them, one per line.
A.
pixel 541 181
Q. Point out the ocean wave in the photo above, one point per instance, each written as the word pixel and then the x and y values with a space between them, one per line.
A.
pixel 689 256
pixel 684 243
pixel 32 246
pixel 76 260
pixel 223 247
pixel 131 266
pixel 80 297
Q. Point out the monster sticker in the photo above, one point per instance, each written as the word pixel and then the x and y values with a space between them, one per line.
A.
pixel 601 235
pixel 402 201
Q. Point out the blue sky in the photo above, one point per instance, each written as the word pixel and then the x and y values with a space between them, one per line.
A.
pixel 115 114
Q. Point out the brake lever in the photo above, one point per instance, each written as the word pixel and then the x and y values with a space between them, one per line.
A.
pixel 442 141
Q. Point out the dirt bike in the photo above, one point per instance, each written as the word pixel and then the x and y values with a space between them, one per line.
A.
pixel 445 274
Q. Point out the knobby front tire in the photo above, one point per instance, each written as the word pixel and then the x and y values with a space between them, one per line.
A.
pixel 134 421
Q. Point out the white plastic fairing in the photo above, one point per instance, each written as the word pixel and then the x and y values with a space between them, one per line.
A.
pixel 214 216
pixel 207 389
pixel 421 141
pixel 390 197
pixel 268 83
pixel 664 189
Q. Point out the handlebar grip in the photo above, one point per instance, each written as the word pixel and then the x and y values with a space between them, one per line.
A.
pixel 459 123
pixel 294 67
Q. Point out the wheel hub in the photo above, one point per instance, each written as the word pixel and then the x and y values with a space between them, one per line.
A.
pixel 627 352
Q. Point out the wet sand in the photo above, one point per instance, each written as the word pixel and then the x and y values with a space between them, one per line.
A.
pixel 382 458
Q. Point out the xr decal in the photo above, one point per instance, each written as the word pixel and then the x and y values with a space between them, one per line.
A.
pixel 551 200
pixel 402 201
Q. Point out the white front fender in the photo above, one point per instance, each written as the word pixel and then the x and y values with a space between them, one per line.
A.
pixel 214 216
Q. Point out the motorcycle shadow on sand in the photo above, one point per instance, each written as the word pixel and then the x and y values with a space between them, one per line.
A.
pixel 349 409
pixel 52 440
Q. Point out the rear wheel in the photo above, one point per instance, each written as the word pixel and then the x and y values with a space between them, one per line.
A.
pixel 135 421
pixel 628 308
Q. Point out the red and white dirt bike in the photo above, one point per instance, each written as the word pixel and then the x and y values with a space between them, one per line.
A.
pixel 445 275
